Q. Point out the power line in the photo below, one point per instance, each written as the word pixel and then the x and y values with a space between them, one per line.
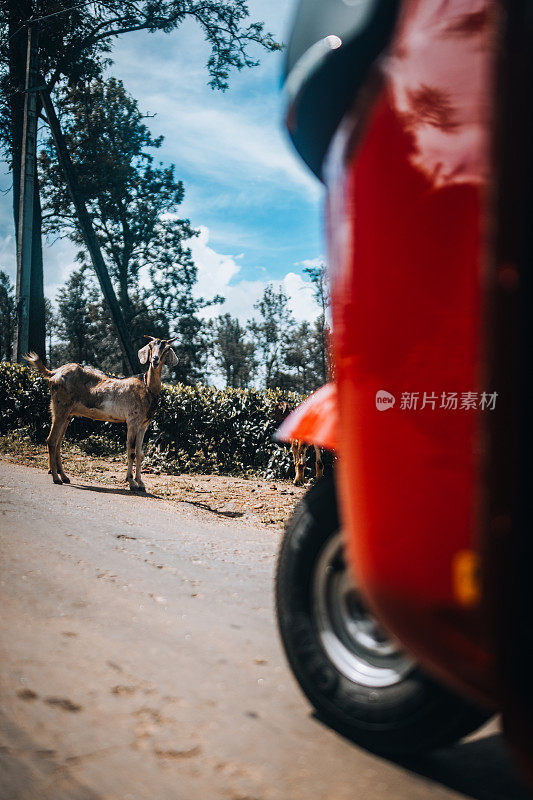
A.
pixel 31 20
pixel 14 34
pixel 62 11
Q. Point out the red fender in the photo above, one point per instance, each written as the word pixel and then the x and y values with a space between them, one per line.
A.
pixel 315 421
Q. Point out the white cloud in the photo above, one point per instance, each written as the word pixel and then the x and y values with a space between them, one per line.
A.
pixel 215 270
pixel 311 262
pixel 217 273
pixel 301 299
pixel 231 145
pixel 239 300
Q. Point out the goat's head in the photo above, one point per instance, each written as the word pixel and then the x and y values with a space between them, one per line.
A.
pixel 158 352
pixel 281 411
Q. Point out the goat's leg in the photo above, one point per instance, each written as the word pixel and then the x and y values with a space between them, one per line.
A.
pixel 49 459
pixel 59 463
pixel 299 451
pixel 302 458
pixel 131 437
pixel 139 457
pixel 53 414
pixel 52 440
pixel 319 466
pixel 294 450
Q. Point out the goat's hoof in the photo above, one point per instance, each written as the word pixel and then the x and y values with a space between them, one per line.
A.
pixel 65 479
pixel 133 487
pixel 58 480
pixel 142 487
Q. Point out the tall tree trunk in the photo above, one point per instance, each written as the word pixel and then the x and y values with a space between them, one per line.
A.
pixel 17 115
pixel 17 69
pixel 17 73
pixel 37 332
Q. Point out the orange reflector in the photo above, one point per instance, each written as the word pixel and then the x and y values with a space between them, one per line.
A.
pixel 465 576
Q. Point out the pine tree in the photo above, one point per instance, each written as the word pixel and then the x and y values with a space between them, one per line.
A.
pixel 272 331
pixel 233 352
pixel 301 361
pixel 50 325
pixel 75 323
pixel 321 332
pixel 173 304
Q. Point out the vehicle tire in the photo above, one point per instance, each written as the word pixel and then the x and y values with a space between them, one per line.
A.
pixel 357 678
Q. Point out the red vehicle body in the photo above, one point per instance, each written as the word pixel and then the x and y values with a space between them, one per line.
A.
pixel 428 271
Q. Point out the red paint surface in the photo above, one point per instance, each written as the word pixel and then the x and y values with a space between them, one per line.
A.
pixel 407 262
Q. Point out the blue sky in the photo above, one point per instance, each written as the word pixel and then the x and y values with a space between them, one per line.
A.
pixel 257 208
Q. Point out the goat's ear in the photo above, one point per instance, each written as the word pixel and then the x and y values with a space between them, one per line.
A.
pixel 171 358
pixel 143 353
pixel 279 414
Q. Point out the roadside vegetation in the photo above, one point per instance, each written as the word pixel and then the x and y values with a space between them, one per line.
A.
pixel 197 429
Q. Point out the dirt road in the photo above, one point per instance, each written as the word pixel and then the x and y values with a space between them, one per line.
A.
pixel 139 659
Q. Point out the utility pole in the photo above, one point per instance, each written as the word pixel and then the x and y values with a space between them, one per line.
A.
pixel 88 233
pixel 27 184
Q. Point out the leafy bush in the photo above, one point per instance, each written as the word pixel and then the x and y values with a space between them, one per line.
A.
pixel 196 428
pixel 24 401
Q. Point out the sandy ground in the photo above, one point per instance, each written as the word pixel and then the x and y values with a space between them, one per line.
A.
pixel 256 501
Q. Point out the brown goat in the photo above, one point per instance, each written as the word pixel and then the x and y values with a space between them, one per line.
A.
pixel 299 448
pixel 78 391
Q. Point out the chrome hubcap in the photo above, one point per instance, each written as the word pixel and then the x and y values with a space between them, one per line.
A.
pixel 353 640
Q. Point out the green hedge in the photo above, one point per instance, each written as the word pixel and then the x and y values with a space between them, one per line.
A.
pixel 196 428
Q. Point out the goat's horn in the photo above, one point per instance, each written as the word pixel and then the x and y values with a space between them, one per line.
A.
pixel 172 340
pixel 152 338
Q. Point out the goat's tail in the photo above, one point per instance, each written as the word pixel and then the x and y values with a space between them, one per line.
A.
pixel 35 363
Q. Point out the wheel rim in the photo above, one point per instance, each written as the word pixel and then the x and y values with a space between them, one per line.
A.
pixel 353 640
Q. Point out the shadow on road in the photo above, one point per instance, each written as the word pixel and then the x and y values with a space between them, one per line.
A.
pixel 205 507
pixel 481 769
pixel 110 490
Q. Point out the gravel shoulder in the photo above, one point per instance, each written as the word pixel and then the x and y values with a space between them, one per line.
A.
pixel 265 503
